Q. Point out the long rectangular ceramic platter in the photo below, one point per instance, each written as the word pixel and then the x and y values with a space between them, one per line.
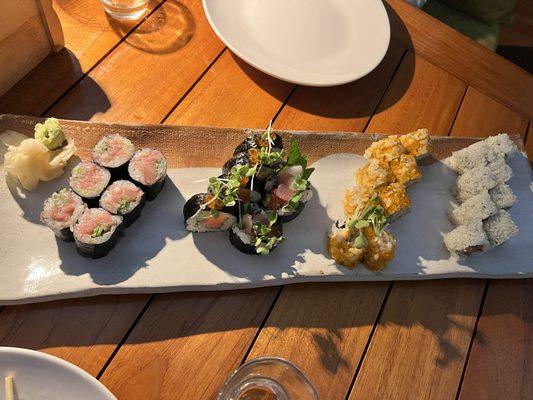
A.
pixel 159 255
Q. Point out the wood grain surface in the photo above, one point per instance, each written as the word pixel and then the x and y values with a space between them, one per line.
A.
pixel 362 341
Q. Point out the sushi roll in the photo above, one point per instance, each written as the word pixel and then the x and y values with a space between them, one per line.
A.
pixel 256 234
pixel 502 144
pixel 341 246
pixel 500 170
pixel 467 239
pixel 285 197
pixel 356 199
pixel 89 180
pixel 96 232
pixel 379 250
pixel 475 181
pixel 394 199
pixel 249 157
pixel 373 174
pixel 502 195
pixel 198 214
pixel 123 198
pixel 114 152
pixel 416 143
pixel 258 140
pixel 386 149
pixel 405 170
pixel 479 154
pixel 148 168
pixel 476 208
pixel 61 211
pixel 500 228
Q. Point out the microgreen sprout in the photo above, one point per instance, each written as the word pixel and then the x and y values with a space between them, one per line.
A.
pixel 266 240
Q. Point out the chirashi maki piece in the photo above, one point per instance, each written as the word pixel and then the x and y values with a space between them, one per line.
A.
pixel 467 239
pixel 416 143
pixel 386 149
pixel 203 212
pixel 258 140
pixel 96 232
pixel 114 152
pixel 500 228
pixel 373 174
pixel 476 208
pixel 474 181
pixel 61 211
pixel 148 168
pixel 89 181
pixel 257 234
pixel 123 198
pixel 502 195
pixel 405 170
pixel 394 199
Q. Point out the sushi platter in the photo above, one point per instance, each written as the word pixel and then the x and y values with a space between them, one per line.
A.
pixel 156 208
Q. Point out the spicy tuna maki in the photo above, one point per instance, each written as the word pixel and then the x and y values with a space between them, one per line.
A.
pixel 89 180
pixel 96 232
pixel 113 152
pixel 204 213
pixel 61 211
pixel 123 198
pixel 148 168
pixel 258 233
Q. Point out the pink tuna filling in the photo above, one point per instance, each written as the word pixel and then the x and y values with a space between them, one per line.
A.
pixel 92 176
pixel 147 165
pixel 63 212
pixel 90 220
pixel 116 194
pixel 115 150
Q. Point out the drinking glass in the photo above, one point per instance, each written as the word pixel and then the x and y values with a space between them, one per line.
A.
pixel 267 378
pixel 125 9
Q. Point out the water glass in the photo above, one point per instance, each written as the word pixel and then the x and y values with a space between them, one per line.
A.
pixel 268 378
pixel 125 10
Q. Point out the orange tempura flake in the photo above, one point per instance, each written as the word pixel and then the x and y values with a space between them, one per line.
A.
pixel 379 250
pixel 386 149
pixel 342 250
pixel 416 143
pixel 373 174
pixel 393 198
pixel 356 199
pixel 405 170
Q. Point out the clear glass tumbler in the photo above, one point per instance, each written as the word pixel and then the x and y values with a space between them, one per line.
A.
pixel 125 10
pixel 268 378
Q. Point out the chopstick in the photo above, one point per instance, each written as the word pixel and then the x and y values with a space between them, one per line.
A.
pixel 10 387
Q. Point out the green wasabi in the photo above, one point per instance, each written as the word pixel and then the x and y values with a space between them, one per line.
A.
pixel 50 133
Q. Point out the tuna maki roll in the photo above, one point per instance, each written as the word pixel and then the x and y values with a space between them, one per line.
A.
pixel 113 152
pixel 89 181
pixel 148 167
pixel 255 234
pixel 96 232
pixel 60 212
pixel 123 198
pixel 203 213
pixel 258 140
pixel 288 192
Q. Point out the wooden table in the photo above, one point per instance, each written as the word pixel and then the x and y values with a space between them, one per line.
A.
pixel 453 339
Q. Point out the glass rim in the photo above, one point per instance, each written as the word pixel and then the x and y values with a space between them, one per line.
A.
pixel 263 359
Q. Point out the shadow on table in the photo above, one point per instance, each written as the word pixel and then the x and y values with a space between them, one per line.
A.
pixel 356 99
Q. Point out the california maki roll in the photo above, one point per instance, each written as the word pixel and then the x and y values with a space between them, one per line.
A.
pixel 123 198
pixel 96 232
pixel 258 140
pixel 114 152
pixel 148 167
pixel 203 212
pixel 89 180
pixel 60 212
pixel 258 233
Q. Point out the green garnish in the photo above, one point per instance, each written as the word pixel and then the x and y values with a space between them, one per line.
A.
pixel 372 215
pixel 227 189
pixel 98 231
pixel 265 241
pixel 50 133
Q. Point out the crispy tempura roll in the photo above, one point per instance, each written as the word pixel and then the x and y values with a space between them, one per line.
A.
pixel 341 246
pixel 379 250
pixel 416 143
pixel 373 174
pixel 386 149
pixel 405 170
pixel 394 199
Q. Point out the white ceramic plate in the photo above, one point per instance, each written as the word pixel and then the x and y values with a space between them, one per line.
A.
pixel 309 42
pixel 39 376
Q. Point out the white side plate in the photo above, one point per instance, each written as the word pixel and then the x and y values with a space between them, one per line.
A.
pixel 309 42
pixel 40 376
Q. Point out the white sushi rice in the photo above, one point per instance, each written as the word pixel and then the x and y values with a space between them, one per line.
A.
pixel 500 170
pixel 502 195
pixel 109 205
pixel 102 147
pixel 475 181
pixel 501 144
pixel 476 155
pixel 500 228
pixel 468 238
pixel 87 238
pixel 476 208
